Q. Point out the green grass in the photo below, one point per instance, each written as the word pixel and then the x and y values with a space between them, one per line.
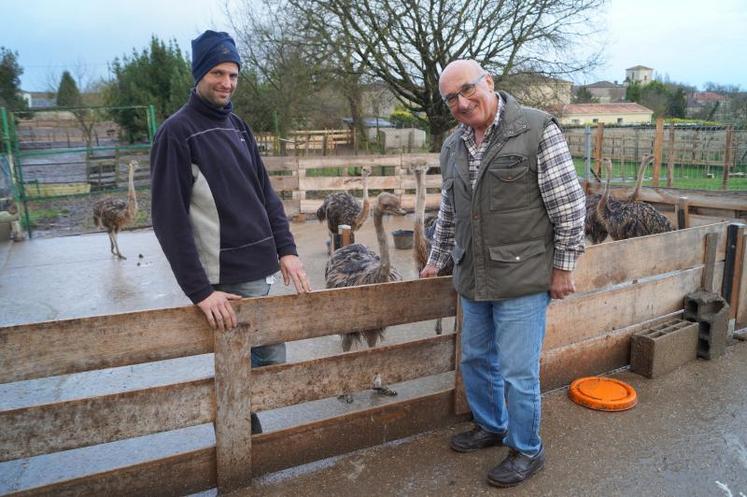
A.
pixel 685 176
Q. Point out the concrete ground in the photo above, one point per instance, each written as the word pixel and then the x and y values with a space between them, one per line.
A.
pixel 687 436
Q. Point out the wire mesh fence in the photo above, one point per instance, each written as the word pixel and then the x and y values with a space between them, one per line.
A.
pixel 686 156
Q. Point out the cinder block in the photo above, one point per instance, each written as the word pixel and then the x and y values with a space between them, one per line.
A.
pixel 711 312
pixel 657 350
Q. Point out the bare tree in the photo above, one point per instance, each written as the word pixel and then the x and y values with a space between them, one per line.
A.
pixel 299 57
pixel 407 43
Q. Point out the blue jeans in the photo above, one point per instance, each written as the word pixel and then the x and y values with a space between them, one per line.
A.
pixel 501 345
pixel 265 354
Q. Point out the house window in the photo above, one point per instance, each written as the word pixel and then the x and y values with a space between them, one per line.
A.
pixel 619 120
pixel 575 121
pixel 595 121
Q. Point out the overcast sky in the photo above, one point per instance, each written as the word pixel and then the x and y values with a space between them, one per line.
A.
pixel 689 41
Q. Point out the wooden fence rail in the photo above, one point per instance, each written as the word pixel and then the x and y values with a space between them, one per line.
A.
pixel 126 387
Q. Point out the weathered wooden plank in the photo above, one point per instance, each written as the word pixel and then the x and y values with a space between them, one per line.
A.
pixel 233 427
pixel 365 160
pixel 582 316
pixel 407 201
pixel 741 316
pixel 174 476
pixel 52 348
pixel 54 427
pixel 738 269
pixel 302 444
pixel 284 183
pixel 734 201
pixel 288 384
pixel 626 260
pixel 709 261
pixel 296 317
pixel 280 163
pixel 341 183
pixel 606 352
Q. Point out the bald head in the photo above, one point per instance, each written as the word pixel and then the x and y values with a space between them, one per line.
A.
pixel 466 69
pixel 468 92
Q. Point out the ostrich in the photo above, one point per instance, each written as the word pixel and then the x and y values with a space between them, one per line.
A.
pixel 114 213
pixel 342 208
pixel 628 219
pixel 356 264
pixel 423 236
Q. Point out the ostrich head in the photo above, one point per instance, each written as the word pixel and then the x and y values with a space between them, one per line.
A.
pixel 387 203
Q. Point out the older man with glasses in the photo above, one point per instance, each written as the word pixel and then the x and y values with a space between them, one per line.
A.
pixel 511 218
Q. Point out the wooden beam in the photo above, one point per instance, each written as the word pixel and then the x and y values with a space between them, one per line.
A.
pixel 51 348
pixel 709 260
pixel 288 384
pixel 233 427
pixel 180 474
pixel 616 262
pixel 599 354
pixel 741 316
pixel 582 316
pixel 297 317
pixel 658 145
pixel 333 436
pixel 284 183
pixel 682 210
pixel 47 428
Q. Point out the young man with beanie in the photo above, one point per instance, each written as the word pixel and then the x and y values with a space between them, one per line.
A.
pixel 511 218
pixel 219 222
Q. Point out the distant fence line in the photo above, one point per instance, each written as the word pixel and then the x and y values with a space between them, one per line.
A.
pixel 682 144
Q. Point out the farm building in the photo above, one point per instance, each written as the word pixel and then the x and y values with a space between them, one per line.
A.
pixel 613 113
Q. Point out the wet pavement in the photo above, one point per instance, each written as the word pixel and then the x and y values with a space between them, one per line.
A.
pixel 687 436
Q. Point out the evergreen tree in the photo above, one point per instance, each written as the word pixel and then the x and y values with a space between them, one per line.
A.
pixel 10 80
pixel 68 94
pixel 159 75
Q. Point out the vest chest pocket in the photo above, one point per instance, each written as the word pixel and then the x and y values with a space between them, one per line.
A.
pixel 508 181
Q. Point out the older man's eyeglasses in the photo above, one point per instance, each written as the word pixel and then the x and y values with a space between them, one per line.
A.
pixel 467 90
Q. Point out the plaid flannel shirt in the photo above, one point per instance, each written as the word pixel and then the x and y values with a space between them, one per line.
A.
pixel 561 193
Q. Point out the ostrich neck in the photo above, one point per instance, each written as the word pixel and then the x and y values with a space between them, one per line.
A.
pixel 419 242
pixel 381 238
pixel 131 198
pixel 639 180
pixel 365 208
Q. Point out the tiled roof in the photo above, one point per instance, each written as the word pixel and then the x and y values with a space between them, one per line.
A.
pixel 639 67
pixel 619 108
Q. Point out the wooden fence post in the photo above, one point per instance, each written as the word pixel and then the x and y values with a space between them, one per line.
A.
pixel 233 426
pixel 460 397
pixel 658 142
pixel 682 211
pixel 727 157
pixel 598 143
pixel 670 159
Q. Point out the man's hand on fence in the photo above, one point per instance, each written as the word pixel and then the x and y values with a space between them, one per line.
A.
pixel 292 269
pixel 219 311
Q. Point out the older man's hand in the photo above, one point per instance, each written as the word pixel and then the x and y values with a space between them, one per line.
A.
pixel 561 284
pixel 292 269
pixel 429 271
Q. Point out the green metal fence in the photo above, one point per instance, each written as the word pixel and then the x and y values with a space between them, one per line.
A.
pixel 57 154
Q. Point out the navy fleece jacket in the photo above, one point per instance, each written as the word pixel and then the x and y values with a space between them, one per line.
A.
pixel 214 211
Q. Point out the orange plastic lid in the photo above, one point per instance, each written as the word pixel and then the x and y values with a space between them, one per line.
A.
pixel 602 394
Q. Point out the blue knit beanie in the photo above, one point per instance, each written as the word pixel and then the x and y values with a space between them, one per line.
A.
pixel 210 49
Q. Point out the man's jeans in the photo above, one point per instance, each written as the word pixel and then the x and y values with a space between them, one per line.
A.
pixel 501 345
pixel 266 354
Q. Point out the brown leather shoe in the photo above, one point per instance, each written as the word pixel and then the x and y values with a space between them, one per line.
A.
pixel 475 439
pixel 516 468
